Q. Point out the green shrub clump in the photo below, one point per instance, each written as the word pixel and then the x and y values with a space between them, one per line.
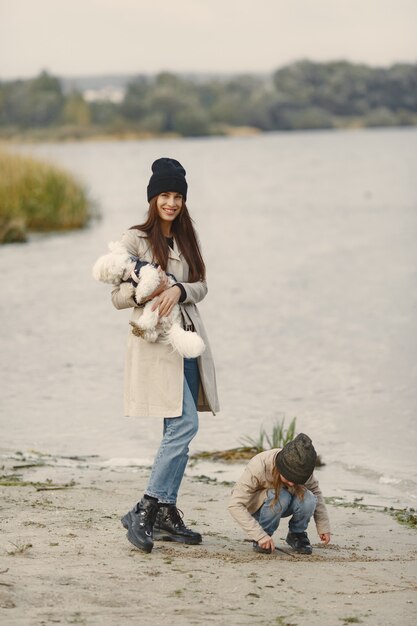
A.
pixel 36 196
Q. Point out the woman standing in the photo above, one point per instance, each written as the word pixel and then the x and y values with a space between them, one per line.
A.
pixel 159 382
pixel 280 483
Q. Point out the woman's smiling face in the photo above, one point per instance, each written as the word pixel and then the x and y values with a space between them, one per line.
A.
pixel 169 205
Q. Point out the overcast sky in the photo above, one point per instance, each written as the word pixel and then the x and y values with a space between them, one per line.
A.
pixel 80 37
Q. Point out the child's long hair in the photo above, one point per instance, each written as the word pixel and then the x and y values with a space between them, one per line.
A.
pixel 277 484
pixel 184 233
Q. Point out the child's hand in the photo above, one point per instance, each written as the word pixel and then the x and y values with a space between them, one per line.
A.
pixel 325 538
pixel 267 543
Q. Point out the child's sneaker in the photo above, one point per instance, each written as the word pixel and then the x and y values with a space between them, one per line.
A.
pixel 299 542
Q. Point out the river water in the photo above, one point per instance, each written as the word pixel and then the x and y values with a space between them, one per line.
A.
pixel 310 241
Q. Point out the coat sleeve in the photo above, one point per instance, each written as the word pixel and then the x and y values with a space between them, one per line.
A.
pixel 321 516
pixel 122 295
pixel 195 292
pixel 241 495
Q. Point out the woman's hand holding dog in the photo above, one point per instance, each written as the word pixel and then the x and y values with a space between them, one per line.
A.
pixel 167 300
pixel 165 297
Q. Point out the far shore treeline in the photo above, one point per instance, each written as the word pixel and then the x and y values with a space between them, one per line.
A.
pixel 302 95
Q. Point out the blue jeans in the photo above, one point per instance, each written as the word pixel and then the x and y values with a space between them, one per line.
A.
pixel 301 511
pixel 172 457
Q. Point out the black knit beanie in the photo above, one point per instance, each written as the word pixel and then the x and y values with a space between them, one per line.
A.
pixel 297 459
pixel 168 175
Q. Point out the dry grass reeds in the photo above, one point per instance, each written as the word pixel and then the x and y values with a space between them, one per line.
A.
pixel 37 196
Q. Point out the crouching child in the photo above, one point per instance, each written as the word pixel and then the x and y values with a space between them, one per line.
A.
pixel 280 483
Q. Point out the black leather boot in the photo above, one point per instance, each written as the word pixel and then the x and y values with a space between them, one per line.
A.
pixel 169 526
pixel 139 523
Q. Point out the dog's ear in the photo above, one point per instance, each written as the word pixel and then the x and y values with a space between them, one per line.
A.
pixel 110 267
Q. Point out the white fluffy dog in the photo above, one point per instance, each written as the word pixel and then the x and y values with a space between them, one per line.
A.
pixel 116 266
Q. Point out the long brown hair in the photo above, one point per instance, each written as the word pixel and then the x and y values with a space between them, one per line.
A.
pixel 185 236
pixel 277 484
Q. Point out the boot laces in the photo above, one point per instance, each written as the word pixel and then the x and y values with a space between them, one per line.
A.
pixel 147 514
pixel 175 515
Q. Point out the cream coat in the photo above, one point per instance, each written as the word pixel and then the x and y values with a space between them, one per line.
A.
pixel 249 494
pixel 154 375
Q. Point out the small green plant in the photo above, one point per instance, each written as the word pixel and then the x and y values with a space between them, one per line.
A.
pixel 278 438
pixel 406 517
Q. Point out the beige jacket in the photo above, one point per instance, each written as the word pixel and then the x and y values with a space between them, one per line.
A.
pixel 154 373
pixel 249 494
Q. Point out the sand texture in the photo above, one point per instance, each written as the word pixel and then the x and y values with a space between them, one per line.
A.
pixel 65 560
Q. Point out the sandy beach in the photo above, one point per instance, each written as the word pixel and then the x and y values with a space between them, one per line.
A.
pixel 65 559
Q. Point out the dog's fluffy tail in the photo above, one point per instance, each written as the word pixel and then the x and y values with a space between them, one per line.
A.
pixel 185 342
